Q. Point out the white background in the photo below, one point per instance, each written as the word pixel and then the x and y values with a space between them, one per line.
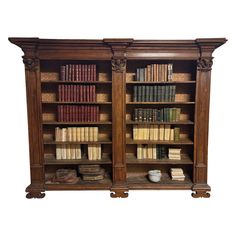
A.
pixel 95 213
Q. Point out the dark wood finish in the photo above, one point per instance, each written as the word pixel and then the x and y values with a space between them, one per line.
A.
pixel 46 55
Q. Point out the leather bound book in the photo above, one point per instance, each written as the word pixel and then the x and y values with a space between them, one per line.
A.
pixel 89 72
pixel 88 93
pixel 67 73
pixel 70 72
pixel 73 72
pixel 81 93
pixel 85 73
pixel 76 72
pixel 95 73
pixel 62 73
pixel 59 92
pixel 80 73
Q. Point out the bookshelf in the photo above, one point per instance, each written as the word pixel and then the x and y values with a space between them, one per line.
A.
pixel 102 113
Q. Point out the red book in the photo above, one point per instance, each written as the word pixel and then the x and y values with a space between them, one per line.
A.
pixel 62 92
pixel 89 72
pixel 88 96
pixel 77 92
pixel 93 93
pixel 86 113
pixel 76 113
pixel 70 73
pixel 67 73
pixel 73 113
pixel 95 73
pixel 80 93
pixel 76 72
pixel 97 113
pixel 79 114
pixel 82 72
pixel 82 113
pixel 74 93
pixel 65 93
pixel 59 113
pixel 85 73
pixel 62 73
pixel 71 93
pixel 59 92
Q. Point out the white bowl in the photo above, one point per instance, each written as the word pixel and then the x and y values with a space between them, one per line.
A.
pixel 154 175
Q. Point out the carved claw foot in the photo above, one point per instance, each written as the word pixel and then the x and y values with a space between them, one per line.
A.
pixel 201 194
pixel 31 195
pixel 120 194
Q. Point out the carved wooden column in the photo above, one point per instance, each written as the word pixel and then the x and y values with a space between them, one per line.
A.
pixel 33 90
pixel 118 47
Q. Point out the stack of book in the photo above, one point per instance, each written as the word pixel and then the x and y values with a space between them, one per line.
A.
pixel 94 152
pixel 62 176
pixel 78 72
pixel 75 113
pixel 156 133
pixel 76 134
pixel 174 153
pixel 166 114
pixel 148 151
pixel 76 93
pixel 177 174
pixel 155 72
pixel 91 172
pixel 154 93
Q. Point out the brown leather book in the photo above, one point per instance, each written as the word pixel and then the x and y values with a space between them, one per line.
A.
pixel 76 72
pixel 70 72
pixel 62 73
pixel 80 73
pixel 85 73
pixel 67 73
pixel 95 73
pixel 89 73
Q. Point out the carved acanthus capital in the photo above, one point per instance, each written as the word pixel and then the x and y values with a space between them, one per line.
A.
pixel 204 64
pixel 118 65
pixel 31 64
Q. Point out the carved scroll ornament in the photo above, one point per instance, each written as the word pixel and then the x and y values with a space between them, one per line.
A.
pixel 118 65
pixel 204 64
pixel 31 64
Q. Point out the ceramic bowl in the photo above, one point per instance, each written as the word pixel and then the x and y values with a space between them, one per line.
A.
pixel 154 175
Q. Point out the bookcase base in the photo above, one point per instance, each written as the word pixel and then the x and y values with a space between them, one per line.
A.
pixel 34 191
pixel 119 192
pixel 201 191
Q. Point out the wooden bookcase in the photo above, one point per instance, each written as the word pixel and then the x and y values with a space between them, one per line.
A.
pixel 116 63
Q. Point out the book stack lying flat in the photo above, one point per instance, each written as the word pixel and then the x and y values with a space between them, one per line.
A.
pixel 63 176
pixel 177 174
pixel 174 153
pixel 94 152
pixel 91 172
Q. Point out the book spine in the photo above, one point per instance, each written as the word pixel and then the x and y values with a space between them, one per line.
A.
pixel 62 73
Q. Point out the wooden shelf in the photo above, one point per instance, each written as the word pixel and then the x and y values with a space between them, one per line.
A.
pixel 142 182
pixel 161 82
pixel 76 82
pixel 76 103
pixel 185 160
pixel 53 161
pixel 77 123
pixel 82 185
pixel 82 142
pixel 183 122
pixel 181 142
pixel 160 103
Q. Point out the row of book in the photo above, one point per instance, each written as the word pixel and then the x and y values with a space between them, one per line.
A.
pixel 76 134
pixel 148 151
pixel 78 72
pixel 155 72
pixel 76 93
pixel 154 93
pixel 177 174
pixel 78 113
pixel 75 152
pixel 156 133
pixel 166 114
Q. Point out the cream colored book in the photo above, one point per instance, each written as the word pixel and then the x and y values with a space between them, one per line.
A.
pixel 69 134
pixel 74 135
pixel 57 134
pixel 86 134
pixel 167 133
pixel 95 131
pixel 139 151
pixel 58 152
pixel 63 152
pixel 174 150
pixel 72 152
pixel 99 151
pixel 172 135
pixel 135 131
pixel 161 132
pixel 78 152
pixel 155 132
pixel 154 152
pixel 149 150
pixel 147 133
pixel 68 152
pixel 78 138
pixel 89 152
pixel 64 135
pixel 82 136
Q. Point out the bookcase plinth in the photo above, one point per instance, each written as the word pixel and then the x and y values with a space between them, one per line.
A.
pixel 123 105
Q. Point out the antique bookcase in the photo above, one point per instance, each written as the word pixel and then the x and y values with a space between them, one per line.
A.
pixel 117 61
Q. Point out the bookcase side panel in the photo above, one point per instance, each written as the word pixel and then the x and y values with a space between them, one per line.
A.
pixel 33 91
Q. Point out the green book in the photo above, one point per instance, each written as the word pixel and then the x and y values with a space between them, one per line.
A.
pixel 158 93
pixel 154 93
pixel 150 93
pixel 176 134
pixel 167 93
pixel 135 98
pixel 178 111
pixel 147 93
pixel 138 74
pixel 142 96
pixel 173 114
